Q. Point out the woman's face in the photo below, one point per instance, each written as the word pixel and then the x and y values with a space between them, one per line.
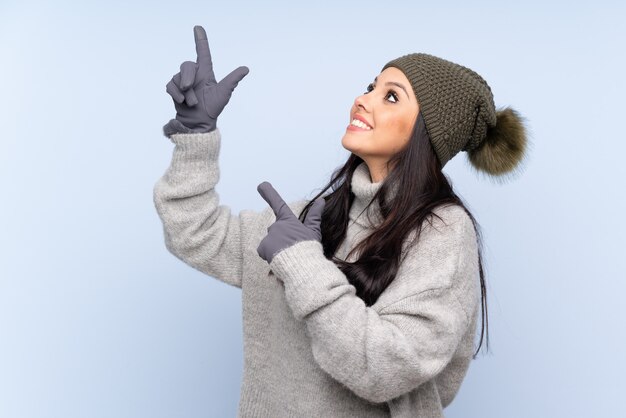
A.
pixel 389 108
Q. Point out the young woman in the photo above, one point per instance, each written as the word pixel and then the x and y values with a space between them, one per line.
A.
pixel 366 303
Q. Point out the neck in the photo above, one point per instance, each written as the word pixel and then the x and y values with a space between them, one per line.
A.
pixel 364 190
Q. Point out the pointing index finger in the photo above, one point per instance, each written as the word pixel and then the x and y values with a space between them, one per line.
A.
pixel 202 50
pixel 278 205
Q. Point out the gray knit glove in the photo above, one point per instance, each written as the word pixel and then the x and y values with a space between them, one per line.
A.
pixel 288 229
pixel 198 98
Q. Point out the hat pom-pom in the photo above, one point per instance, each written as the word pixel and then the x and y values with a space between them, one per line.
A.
pixel 504 147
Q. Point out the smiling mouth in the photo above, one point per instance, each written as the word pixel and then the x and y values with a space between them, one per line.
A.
pixel 356 129
pixel 358 125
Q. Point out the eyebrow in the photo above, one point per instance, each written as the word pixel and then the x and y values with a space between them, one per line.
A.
pixel 395 84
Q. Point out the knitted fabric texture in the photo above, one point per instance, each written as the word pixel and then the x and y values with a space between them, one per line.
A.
pixel 312 348
pixel 456 102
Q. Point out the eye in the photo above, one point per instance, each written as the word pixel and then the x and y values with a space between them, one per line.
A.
pixel 370 87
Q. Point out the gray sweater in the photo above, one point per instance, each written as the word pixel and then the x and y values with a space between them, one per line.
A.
pixel 312 348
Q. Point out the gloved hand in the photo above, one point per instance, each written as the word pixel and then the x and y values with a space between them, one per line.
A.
pixel 198 98
pixel 288 230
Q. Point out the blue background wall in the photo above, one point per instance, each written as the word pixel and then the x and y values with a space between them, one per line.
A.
pixel 97 319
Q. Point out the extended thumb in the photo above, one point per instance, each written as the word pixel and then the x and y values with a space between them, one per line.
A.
pixel 313 217
pixel 231 80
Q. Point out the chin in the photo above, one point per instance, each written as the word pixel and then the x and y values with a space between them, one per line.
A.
pixel 346 144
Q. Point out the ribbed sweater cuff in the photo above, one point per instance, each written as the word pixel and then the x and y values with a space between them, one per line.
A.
pixel 194 149
pixel 311 280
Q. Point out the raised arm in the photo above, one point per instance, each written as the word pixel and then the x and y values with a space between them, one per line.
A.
pixel 197 229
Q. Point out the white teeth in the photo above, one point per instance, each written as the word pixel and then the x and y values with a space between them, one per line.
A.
pixel 359 124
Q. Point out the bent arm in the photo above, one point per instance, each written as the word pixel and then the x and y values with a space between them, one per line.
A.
pixel 384 352
pixel 197 229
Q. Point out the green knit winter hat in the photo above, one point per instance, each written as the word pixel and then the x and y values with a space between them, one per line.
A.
pixel 459 112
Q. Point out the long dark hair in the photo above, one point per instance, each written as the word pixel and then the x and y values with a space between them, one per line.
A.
pixel 417 171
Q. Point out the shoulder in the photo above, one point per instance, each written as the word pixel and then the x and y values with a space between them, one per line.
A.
pixel 452 227
pixel 448 225
pixel 450 219
pixel 439 260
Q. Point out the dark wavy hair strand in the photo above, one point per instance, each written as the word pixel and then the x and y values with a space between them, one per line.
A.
pixel 416 170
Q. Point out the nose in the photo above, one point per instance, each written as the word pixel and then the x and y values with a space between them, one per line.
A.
pixel 359 102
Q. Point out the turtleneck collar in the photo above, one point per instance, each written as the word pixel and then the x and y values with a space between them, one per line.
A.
pixel 364 190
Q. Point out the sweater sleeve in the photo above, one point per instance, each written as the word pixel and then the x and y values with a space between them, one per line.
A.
pixel 382 352
pixel 197 229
